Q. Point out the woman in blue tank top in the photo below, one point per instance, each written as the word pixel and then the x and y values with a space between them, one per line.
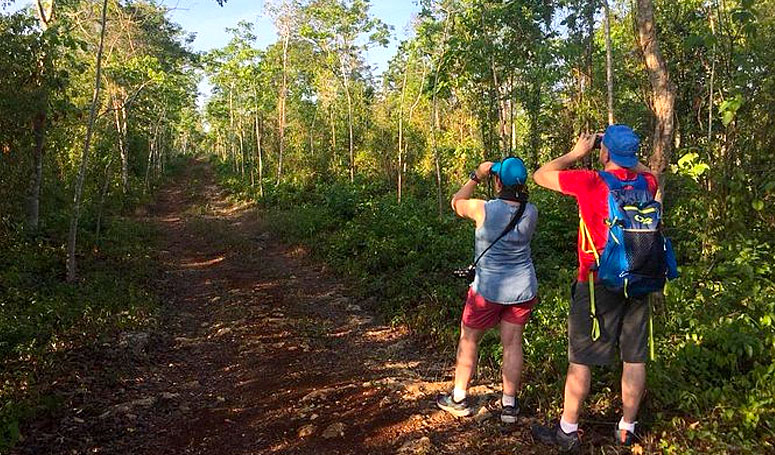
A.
pixel 504 290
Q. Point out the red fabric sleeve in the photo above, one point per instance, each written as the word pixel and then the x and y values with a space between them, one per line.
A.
pixel 577 182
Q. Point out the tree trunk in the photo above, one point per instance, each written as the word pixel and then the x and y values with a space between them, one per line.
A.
pixel 103 195
pixel 72 237
pixel 33 203
pixel 119 113
pixel 241 149
pixel 281 107
pixel 45 15
pixel 609 77
pixel 662 91
pixel 399 181
pixel 712 80
pixel 435 124
pixel 333 132
pixel 350 128
pixel 258 150
pixel 437 162
pixel 231 128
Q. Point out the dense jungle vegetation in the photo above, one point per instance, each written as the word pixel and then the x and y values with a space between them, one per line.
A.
pixel 97 98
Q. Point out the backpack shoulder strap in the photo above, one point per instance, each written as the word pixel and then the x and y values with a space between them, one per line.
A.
pixel 613 182
pixel 641 183
pixel 610 180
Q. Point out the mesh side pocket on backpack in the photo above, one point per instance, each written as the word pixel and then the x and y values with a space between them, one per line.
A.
pixel 645 252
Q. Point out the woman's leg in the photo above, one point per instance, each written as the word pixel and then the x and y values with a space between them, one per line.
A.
pixel 466 356
pixel 511 338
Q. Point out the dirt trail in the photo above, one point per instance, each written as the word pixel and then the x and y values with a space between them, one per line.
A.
pixel 261 351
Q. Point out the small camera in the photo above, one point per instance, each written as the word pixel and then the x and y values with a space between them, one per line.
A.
pixel 598 141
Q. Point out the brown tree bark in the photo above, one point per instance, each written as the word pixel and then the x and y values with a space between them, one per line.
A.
pixel 662 91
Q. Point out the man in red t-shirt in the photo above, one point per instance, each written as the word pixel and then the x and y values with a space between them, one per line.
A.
pixel 623 321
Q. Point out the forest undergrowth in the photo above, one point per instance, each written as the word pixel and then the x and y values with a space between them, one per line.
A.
pixel 46 320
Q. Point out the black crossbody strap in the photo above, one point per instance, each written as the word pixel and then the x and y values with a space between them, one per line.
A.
pixel 507 229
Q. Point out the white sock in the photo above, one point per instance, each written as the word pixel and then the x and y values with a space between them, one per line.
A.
pixel 509 400
pixel 568 428
pixel 627 426
pixel 458 395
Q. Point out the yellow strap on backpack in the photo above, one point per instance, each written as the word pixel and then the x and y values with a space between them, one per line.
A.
pixel 592 310
pixel 588 247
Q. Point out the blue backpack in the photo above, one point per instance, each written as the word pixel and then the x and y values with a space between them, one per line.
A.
pixel 637 258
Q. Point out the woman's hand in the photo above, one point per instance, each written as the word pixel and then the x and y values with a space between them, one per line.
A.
pixel 483 170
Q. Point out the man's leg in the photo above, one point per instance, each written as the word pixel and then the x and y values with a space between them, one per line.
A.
pixel 565 435
pixel 577 385
pixel 633 385
pixel 466 356
pixel 634 344
pixel 511 338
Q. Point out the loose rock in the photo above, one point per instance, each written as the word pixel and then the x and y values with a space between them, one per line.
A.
pixel 420 446
pixel 335 430
pixel 483 414
pixel 307 430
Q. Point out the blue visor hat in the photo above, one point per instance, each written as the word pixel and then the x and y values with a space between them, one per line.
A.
pixel 622 144
pixel 510 170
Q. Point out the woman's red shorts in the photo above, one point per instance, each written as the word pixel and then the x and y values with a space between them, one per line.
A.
pixel 480 313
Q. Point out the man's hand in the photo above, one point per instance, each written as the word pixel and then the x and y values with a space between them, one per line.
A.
pixel 584 145
pixel 547 175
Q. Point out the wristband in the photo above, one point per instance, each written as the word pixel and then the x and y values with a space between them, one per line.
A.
pixel 474 177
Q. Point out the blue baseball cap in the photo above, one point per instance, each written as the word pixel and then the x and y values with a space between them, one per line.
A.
pixel 510 170
pixel 622 144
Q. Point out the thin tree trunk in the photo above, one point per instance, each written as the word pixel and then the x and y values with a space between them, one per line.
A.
pixel 241 150
pixel 33 203
pixel 312 132
pixel 119 113
pixel 281 107
pixel 399 182
pixel 260 157
pixel 45 15
pixel 435 117
pixel 496 89
pixel 333 132
pixel 101 206
pixel 411 113
pixel 662 91
pixel 231 128
pixel 72 237
pixel 437 163
pixel 712 79
pixel 609 77
pixel 350 129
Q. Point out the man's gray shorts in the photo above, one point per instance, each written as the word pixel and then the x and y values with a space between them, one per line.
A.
pixel 623 324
